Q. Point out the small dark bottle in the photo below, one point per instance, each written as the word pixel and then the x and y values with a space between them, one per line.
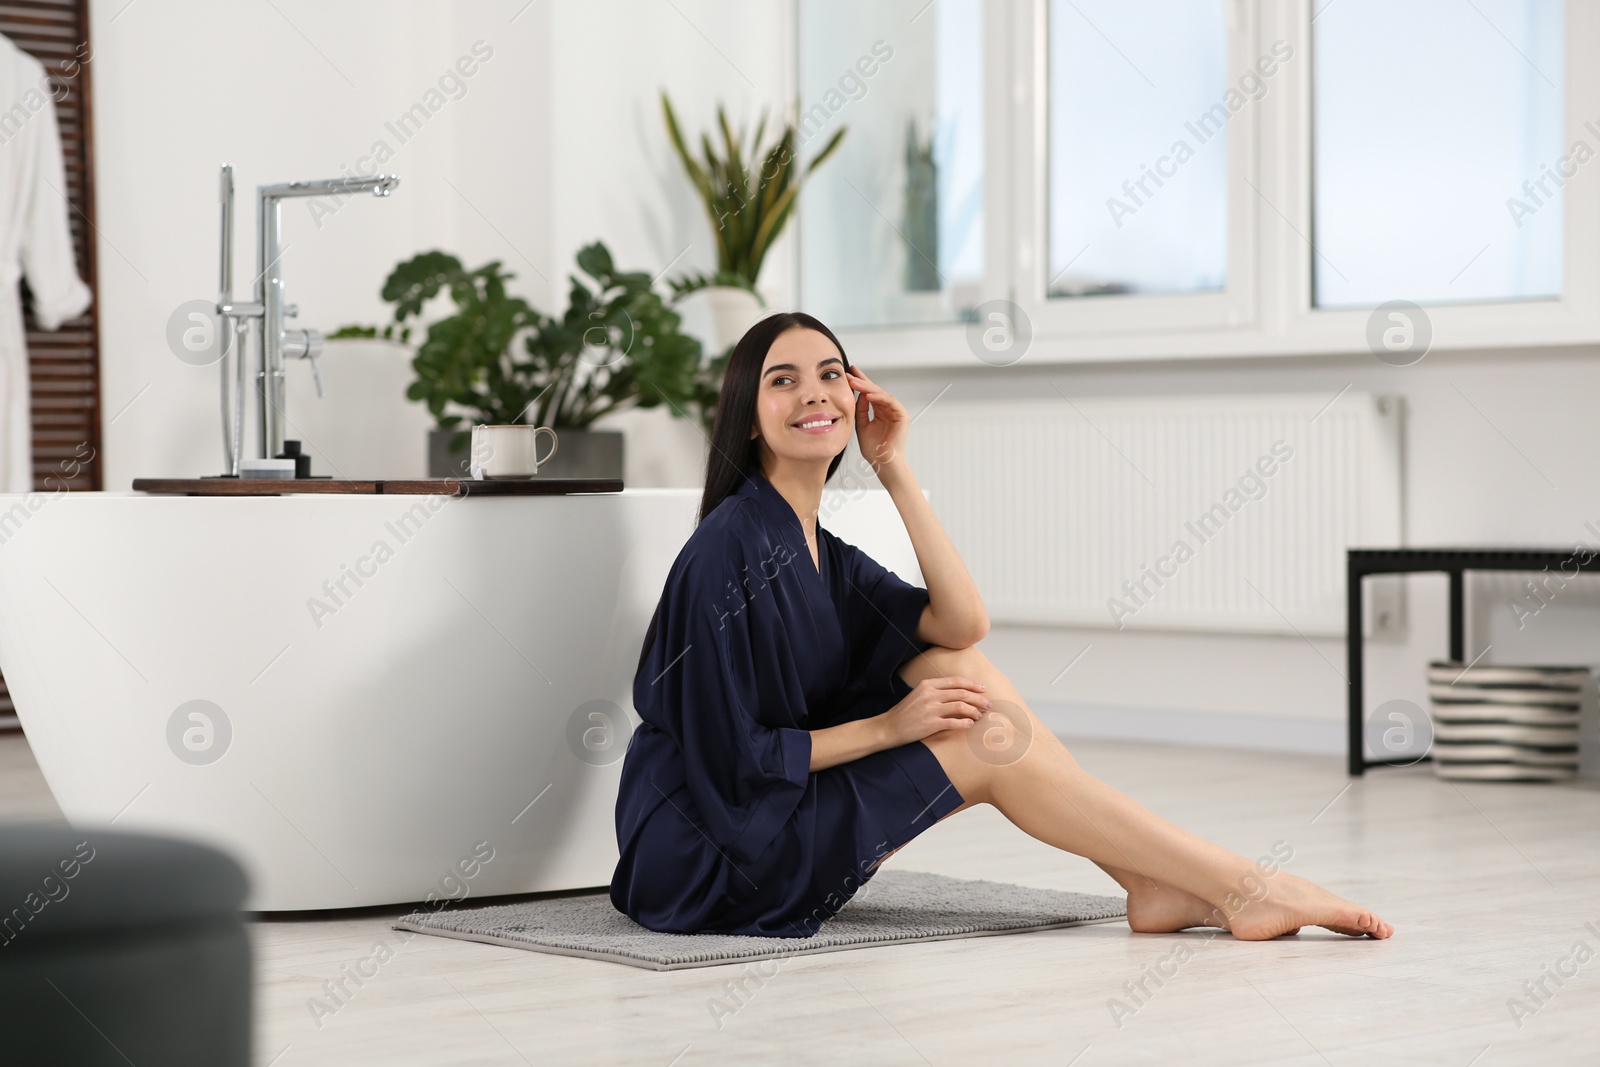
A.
pixel 302 461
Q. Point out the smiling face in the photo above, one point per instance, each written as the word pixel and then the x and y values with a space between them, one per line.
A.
pixel 803 382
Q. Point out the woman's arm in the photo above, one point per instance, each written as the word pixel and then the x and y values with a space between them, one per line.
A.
pixel 934 704
pixel 848 741
pixel 955 616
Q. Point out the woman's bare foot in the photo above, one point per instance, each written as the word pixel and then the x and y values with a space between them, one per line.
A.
pixel 1162 909
pixel 1292 902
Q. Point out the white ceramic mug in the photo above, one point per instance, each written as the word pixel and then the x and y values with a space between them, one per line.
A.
pixel 509 451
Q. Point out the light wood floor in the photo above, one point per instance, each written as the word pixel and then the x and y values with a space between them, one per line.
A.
pixel 1487 886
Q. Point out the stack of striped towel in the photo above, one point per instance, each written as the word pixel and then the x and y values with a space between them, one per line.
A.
pixel 1505 723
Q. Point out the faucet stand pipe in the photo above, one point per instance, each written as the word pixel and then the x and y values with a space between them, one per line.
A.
pixel 265 316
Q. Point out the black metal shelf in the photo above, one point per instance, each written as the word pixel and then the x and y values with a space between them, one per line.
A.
pixel 1454 562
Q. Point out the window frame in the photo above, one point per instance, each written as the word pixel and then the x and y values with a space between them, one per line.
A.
pixel 1234 306
pixel 1267 308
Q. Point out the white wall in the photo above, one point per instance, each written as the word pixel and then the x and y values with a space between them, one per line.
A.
pixel 304 90
pixel 558 141
pixel 183 87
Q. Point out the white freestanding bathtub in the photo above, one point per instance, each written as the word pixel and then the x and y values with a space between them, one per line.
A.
pixel 364 699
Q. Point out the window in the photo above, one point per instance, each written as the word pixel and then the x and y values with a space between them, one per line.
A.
pixel 1438 156
pixel 1151 179
pixel 1138 115
pixel 892 225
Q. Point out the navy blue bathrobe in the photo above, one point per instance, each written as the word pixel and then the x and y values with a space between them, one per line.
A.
pixel 721 825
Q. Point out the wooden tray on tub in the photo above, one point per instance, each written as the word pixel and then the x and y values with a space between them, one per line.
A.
pixel 397 487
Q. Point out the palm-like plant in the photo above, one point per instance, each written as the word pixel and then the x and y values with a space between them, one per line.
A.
pixel 747 207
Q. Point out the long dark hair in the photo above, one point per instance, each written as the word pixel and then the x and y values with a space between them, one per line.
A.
pixel 734 453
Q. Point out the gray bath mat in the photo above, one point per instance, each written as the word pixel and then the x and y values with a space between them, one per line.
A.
pixel 895 906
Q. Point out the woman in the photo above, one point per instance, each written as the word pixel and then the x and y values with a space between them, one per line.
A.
pixel 806 712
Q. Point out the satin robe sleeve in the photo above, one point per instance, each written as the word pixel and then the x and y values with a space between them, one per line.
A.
pixel 722 698
pixel 880 619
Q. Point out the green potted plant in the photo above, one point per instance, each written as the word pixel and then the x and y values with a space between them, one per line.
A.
pixel 747 201
pixel 921 213
pixel 497 360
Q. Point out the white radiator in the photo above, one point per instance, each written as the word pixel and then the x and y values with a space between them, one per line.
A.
pixel 1191 513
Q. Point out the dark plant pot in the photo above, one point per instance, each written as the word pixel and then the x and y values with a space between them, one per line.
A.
pixel 579 454
pixel 442 463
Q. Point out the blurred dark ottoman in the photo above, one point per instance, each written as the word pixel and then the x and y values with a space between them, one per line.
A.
pixel 120 948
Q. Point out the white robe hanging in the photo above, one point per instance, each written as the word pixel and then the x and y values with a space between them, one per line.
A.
pixel 35 240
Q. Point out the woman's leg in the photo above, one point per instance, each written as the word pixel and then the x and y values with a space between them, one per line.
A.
pixel 1152 908
pixel 1174 879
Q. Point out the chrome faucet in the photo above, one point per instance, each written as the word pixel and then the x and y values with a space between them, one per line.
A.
pixel 268 311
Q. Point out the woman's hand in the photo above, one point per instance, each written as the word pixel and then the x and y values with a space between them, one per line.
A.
pixel 935 704
pixel 883 440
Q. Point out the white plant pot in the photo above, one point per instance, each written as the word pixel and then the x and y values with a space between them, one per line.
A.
pixel 733 311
